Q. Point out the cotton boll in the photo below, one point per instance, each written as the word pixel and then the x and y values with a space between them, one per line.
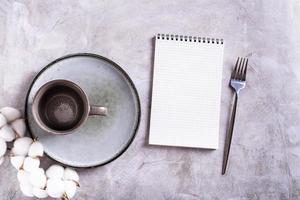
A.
pixel 55 187
pixel 36 149
pixel 10 113
pixel 7 133
pixel 21 146
pixel 39 193
pixel 3 120
pixel 17 161
pixel 38 178
pixel 27 189
pixel 55 171
pixel 3 147
pixel 1 159
pixel 19 127
pixel 23 176
pixel 71 174
pixel 31 164
pixel 70 188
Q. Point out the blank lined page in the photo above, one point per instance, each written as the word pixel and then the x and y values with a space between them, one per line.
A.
pixel 186 92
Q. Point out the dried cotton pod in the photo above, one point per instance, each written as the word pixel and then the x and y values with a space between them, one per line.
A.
pixel 3 120
pixel 7 133
pixel 55 187
pixel 21 146
pixel 61 182
pixel 36 149
pixel 70 189
pixel 19 127
pixel 31 164
pixel 38 178
pixel 17 161
pixel 39 193
pixel 3 147
pixel 55 171
pixel 27 189
pixel 10 113
pixel 32 179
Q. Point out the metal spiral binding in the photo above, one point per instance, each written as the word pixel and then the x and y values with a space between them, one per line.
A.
pixel 185 38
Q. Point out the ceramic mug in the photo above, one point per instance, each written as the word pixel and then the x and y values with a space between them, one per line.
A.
pixel 61 106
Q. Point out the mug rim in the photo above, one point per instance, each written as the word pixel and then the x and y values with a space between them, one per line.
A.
pixel 39 121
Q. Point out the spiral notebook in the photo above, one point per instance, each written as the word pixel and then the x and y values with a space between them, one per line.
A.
pixel 186 91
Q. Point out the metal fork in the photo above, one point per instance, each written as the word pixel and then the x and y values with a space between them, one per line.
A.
pixel 237 82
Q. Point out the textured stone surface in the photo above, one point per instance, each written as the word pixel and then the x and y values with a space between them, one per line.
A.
pixel 265 157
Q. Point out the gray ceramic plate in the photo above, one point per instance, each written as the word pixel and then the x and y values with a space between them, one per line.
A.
pixel 99 140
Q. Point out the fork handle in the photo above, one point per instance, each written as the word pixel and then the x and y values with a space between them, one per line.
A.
pixel 229 134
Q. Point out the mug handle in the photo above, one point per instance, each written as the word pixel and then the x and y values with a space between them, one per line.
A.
pixel 98 110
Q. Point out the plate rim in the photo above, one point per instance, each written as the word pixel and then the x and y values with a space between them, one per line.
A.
pixel 117 67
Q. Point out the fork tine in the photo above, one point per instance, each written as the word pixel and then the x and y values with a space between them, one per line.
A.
pixel 240 68
pixel 243 68
pixel 245 71
pixel 234 72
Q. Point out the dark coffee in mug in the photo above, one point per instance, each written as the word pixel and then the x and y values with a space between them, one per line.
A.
pixel 61 106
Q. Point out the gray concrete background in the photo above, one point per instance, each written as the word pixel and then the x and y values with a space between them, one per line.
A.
pixel 265 157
